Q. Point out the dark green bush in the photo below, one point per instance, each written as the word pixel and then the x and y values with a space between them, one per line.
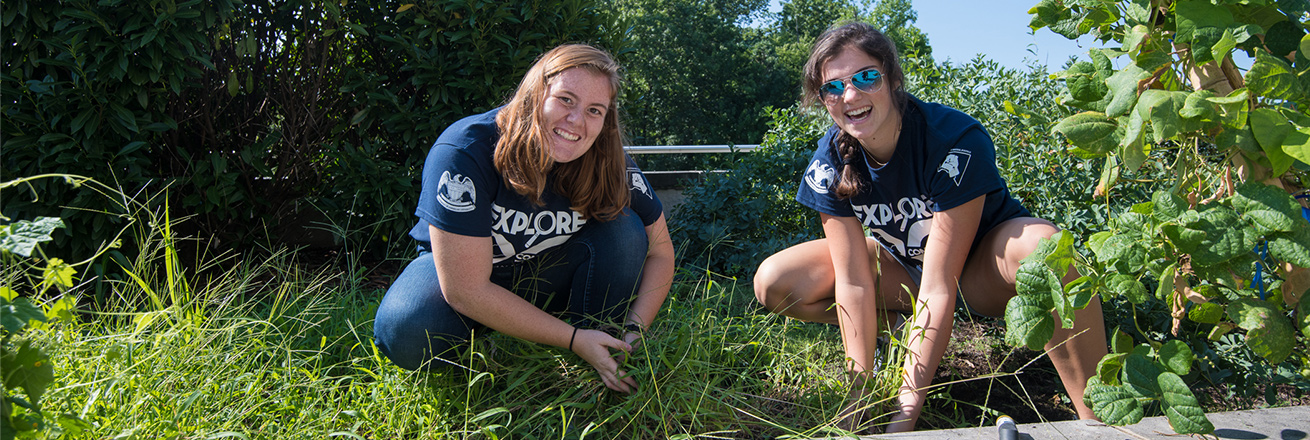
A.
pixel 254 114
pixel 731 221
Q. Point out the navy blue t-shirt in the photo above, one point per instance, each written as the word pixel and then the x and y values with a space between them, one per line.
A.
pixel 943 159
pixel 464 194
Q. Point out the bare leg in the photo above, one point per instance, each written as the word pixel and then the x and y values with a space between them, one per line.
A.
pixel 989 277
pixel 798 282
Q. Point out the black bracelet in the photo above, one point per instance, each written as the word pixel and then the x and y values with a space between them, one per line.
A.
pixel 575 335
pixel 633 327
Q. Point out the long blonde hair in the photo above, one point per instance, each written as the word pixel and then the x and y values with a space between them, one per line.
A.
pixel 596 182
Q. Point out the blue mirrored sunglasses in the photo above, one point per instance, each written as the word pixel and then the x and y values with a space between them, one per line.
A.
pixel 869 81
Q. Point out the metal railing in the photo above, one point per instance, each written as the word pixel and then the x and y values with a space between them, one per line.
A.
pixel 667 149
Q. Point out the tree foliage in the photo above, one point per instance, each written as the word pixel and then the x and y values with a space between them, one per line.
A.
pixel 703 72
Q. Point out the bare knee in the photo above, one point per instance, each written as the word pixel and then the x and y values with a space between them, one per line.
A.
pixel 766 281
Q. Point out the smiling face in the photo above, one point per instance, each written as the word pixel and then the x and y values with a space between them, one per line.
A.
pixel 577 102
pixel 870 118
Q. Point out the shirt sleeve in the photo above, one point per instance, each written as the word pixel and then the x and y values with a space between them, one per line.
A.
pixel 643 200
pixel 816 189
pixel 964 171
pixel 455 196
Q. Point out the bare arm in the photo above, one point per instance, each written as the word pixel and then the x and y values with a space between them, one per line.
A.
pixel 944 257
pixel 656 276
pixel 854 290
pixel 464 271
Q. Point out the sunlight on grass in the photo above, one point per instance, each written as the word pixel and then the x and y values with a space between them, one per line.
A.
pixel 269 349
pixel 216 346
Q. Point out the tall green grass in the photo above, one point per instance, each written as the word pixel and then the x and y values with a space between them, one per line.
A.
pixel 224 345
pixel 269 349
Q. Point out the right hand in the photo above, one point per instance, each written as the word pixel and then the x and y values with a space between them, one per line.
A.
pixel 594 347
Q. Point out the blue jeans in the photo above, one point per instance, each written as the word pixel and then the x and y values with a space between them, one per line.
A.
pixel 589 280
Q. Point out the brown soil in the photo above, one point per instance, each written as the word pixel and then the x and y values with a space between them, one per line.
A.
pixel 983 377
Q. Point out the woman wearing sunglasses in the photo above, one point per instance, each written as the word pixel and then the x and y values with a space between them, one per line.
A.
pixel 533 222
pixel 944 231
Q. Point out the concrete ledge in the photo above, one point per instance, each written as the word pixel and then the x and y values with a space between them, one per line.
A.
pixel 1288 423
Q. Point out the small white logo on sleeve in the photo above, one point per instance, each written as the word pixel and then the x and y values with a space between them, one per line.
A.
pixel 456 193
pixel 819 176
pixel 956 163
pixel 639 182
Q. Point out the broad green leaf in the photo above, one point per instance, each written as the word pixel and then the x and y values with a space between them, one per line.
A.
pixel 1268 222
pixel 1271 77
pixel 1181 408
pixel 1121 343
pixel 1226 43
pixel 1283 37
pixel 1034 278
pixel 1132 146
pixel 1140 375
pixel 1087 88
pixel 59 273
pixel 1137 221
pixel 1270 128
pixel 1062 254
pixel 1124 252
pixel 1096 241
pixel 23 236
pixel 1198 105
pixel 1304 46
pixel 1128 286
pixel 1297 146
pixel 1044 249
pixel 1045 13
pixel 1206 313
pixel 1293 247
pixel 1195 14
pixel 1225 237
pixel 1255 196
pixel 1177 357
pixel 1081 291
pixel 1183 238
pixel 1123 90
pixel 1233 108
pixel 1238 137
pixel 14 315
pixel 1166 282
pixel 1138 12
pixel 1133 39
pixel 1091 131
pixel 1114 405
pixel 1109 367
pixel 30 369
pixel 1167 206
pixel 1203 41
pixel 1161 107
pixel 1028 321
pixel 1269 333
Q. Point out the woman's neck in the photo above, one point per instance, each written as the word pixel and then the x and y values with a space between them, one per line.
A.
pixel 882 145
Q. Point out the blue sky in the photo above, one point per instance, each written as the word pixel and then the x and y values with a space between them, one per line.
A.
pixel 960 29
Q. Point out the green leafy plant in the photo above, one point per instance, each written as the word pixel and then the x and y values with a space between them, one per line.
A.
pixel 24 355
pixel 1225 246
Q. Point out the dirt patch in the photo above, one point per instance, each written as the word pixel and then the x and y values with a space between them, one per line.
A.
pixel 981 377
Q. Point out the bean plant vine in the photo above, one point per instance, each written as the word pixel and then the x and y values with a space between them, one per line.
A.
pixel 1226 245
